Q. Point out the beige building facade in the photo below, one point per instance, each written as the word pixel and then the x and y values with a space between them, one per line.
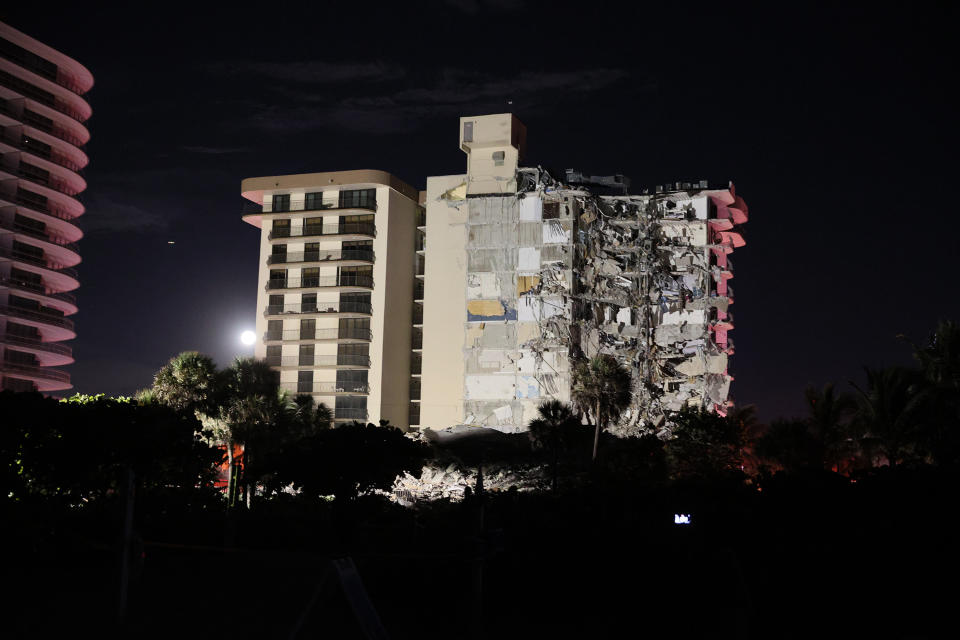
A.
pixel 336 288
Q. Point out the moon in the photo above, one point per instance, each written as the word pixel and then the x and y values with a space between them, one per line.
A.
pixel 248 337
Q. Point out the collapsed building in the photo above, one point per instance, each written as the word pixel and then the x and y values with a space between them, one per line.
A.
pixel 523 273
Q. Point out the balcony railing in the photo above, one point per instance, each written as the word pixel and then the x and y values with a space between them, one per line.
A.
pixel 323 360
pixel 319 334
pixel 415 389
pixel 39 234
pixel 416 340
pixel 38 261
pixel 37 316
pixel 27 89
pixel 347 228
pixel 320 256
pixel 418 290
pixel 334 387
pixel 35 371
pixel 253 208
pixel 50 347
pixel 52 155
pixel 47 208
pixel 45 178
pixel 416 363
pixel 343 280
pixel 36 287
pixel 318 307
pixel 349 414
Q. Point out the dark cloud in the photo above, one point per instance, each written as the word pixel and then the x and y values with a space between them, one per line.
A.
pixel 312 71
pixel 214 150
pixel 113 214
pixel 473 7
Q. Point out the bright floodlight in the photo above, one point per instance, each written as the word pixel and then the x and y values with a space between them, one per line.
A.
pixel 248 337
pixel 681 518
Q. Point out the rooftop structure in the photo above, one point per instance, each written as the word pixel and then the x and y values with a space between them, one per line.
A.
pixel 42 134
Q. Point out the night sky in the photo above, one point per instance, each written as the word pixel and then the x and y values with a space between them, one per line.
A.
pixel 837 126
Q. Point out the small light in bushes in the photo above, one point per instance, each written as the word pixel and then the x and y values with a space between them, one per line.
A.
pixel 681 518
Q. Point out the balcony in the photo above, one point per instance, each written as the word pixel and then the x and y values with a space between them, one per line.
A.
pixel 38 175
pixel 366 229
pixel 51 154
pixel 16 227
pixel 349 414
pixel 28 343
pixel 327 361
pixel 30 90
pixel 334 388
pixel 418 290
pixel 317 335
pixel 416 363
pixel 37 316
pixel 37 261
pixel 40 289
pixel 35 372
pixel 321 256
pixel 319 307
pixel 415 389
pixel 317 282
pixel 42 207
pixel 416 339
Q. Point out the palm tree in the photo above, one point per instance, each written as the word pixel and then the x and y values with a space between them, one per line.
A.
pixel 604 386
pixel 888 410
pixel 939 363
pixel 188 382
pixel 552 430
pixel 830 415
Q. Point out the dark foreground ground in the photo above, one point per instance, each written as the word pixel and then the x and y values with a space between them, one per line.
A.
pixel 813 556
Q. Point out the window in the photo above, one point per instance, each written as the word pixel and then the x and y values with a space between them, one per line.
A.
pixel 304 381
pixel 274 329
pixel 275 304
pixel 357 354
pixel 498 158
pixel 358 199
pixel 355 276
pixel 308 303
pixel 306 355
pixel 278 254
pixel 356 224
pixel 352 380
pixel 313 201
pixel 281 229
pixel 308 329
pixel 310 277
pixel 311 252
pixel 358 250
pixel 350 408
pixel 313 227
pixel 24 331
pixel 278 279
pixel 22 357
pixel 355 302
pixel 281 202
pixel 358 328
pixel 468 131
pixel 274 358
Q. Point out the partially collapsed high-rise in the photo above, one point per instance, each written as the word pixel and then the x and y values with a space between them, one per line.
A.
pixel 499 280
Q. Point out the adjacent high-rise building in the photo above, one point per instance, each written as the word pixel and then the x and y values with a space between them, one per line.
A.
pixel 337 288
pixel 516 275
pixel 42 134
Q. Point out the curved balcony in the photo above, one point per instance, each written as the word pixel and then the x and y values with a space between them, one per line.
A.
pixel 71 158
pixel 345 256
pixel 335 388
pixel 49 353
pixel 43 262
pixel 342 282
pixel 65 302
pixel 36 87
pixel 44 176
pixel 322 361
pixel 54 242
pixel 45 379
pixel 31 206
pixel 317 335
pixel 345 231
pixel 42 117
pixel 322 307
pixel 50 319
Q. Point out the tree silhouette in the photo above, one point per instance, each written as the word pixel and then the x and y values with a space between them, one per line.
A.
pixel 553 431
pixel 888 411
pixel 939 361
pixel 189 382
pixel 705 444
pixel 603 386
pixel 830 420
